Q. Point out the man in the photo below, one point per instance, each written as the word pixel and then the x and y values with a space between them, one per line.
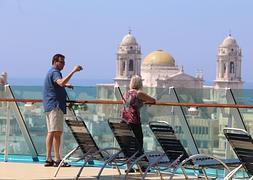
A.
pixel 54 102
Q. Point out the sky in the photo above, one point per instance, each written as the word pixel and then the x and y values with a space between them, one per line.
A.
pixel 88 33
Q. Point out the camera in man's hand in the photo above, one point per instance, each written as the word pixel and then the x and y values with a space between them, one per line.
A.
pixel 80 67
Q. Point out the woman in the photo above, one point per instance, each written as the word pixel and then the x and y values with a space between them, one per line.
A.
pixel 133 101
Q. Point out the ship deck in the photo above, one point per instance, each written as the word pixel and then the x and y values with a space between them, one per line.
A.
pixel 18 171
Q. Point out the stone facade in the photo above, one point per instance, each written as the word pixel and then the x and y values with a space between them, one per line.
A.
pixel 128 60
pixel 228 65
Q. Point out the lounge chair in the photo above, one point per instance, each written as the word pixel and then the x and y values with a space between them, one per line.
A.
pixel 173 148
pixel 129 147
pixel 87 145
pixel 242 144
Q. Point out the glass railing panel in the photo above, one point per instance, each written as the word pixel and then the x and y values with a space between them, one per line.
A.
pixel 148 113
pixel 27 92
pixel 157 113
pixel 206 126
pixel 10 132
pixel 32 114
pixel 36 92
pixel 245 96
pixel 82 93
pixel 97 115
pixel 98 125
pixel 207 123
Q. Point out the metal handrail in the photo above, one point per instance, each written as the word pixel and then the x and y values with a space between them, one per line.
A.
pixel 121 102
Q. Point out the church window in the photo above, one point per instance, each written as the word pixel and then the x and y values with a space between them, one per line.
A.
pixel 131 65
pixel 123 66
pixel 131 47
pixel 204 144
pixel 232 70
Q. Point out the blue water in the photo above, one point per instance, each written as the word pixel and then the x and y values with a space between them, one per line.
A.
pixel 28 159
pixel 40 81
pixel 86 82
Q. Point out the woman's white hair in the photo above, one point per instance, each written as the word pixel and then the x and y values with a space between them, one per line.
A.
pixel 136 82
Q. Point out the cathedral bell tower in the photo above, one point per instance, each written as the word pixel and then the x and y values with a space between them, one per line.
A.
pixel 128 60
pixel 228 65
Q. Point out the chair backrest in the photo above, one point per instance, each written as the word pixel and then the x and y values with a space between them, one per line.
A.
pixel 242 144
pixel 83 137
pixel 166 137
pixel 124 136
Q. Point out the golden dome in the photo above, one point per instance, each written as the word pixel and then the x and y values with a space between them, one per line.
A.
pixel 160 58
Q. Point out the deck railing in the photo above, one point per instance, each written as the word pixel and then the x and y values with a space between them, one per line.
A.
pixel 197 115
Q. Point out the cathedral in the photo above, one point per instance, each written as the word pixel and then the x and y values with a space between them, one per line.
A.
pixel 159 68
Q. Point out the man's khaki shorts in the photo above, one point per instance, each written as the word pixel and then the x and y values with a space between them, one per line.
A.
pixel 55 120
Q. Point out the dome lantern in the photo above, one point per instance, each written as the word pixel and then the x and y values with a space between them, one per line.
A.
pixel 229 42
pixel 128 40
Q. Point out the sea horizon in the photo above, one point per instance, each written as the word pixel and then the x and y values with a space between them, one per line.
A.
pixel 40 81
pixel 87 82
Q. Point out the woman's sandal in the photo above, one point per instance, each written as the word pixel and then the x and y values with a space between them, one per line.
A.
pixel 64 164
pixel 130 171
pixel 143 169
pixel 49 163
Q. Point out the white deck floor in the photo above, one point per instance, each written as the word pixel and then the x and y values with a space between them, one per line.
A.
pixel 25 171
